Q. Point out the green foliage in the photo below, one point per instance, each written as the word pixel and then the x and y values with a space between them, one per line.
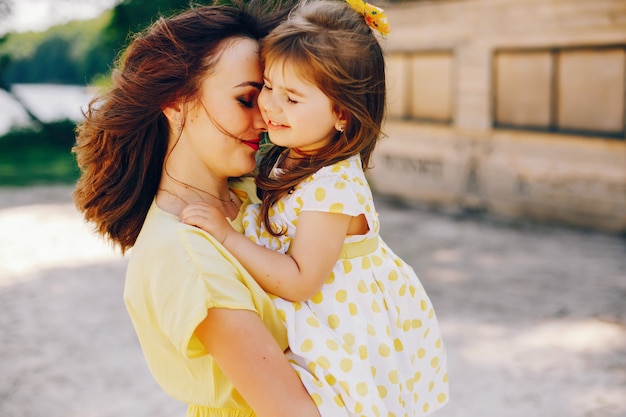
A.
pixel 38 155
pixel 132 16
pixel 80 52
pixel 69 53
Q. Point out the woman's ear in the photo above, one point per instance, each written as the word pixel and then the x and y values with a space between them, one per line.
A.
pixel 174 113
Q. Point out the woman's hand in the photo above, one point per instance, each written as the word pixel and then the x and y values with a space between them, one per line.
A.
pixel 207 218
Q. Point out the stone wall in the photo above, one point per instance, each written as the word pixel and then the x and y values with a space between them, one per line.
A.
pixel 448 142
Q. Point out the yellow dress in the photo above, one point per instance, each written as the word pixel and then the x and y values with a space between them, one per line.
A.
pixel 175 273
pixel 369 339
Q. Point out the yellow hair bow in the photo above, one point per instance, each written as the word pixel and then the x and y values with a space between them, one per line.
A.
pixel 374 16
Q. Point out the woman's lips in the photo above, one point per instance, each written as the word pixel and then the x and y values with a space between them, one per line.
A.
pixel 254 143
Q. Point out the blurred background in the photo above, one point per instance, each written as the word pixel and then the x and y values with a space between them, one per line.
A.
pixel 512 108
pixel 501 180
pixel 54 55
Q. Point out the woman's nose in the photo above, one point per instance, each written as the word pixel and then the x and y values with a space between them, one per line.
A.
pixel 258 123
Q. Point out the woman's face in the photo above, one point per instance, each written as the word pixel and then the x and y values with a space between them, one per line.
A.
pixel 223 127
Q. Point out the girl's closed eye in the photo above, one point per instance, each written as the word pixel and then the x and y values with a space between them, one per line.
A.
pixel 266 87
pixel 290 100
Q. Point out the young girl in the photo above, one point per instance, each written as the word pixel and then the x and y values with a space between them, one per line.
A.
pixel 357 316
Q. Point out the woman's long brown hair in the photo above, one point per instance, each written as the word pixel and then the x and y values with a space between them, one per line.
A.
pixel 330 45
pixel 122 141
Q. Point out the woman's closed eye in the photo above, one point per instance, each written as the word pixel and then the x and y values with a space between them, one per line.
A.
pixel 249 101
pixel 246 103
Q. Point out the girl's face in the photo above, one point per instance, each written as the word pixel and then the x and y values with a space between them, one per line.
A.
pixel 223 127
pixel 297 113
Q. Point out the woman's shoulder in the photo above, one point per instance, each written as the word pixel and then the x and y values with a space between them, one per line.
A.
pixel 168 249
pixel 164 238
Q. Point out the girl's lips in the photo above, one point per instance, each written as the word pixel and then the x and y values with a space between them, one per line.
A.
pixel 274 125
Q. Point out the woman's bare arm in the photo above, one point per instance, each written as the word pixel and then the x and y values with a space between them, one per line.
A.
pixel 250 357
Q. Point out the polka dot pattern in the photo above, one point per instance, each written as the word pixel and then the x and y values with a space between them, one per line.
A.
pixel 368 343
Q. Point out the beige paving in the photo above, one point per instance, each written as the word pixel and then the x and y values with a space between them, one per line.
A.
pixel 534 317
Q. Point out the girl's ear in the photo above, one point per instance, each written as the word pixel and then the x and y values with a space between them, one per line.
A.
pixel 342 120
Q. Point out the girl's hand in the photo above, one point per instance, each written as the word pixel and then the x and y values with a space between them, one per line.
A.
pixel 207 218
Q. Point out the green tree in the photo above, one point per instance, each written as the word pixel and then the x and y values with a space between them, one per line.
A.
pixel 132 16
pixel 81 51
pixel 47 56
pixel 55 62
pixel 6 7
pixel 5 62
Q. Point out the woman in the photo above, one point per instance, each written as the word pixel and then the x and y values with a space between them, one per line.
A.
pixel 180 125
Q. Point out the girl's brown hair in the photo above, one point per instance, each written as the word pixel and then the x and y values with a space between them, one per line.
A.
pixel 331 45
pixel 122 142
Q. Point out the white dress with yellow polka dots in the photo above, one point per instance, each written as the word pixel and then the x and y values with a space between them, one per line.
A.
pixel 368 343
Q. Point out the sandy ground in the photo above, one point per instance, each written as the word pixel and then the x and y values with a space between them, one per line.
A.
pixel 534 317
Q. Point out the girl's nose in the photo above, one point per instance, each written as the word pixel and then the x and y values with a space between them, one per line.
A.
pixel 267 103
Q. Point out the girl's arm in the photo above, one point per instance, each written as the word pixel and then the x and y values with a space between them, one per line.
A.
pixel 298 276
pixel 250 357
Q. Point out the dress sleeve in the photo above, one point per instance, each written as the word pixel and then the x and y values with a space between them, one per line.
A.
pixel 334 190
pixel 208 278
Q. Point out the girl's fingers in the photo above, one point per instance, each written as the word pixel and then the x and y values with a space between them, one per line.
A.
pixel 198 210
pixel 192 220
